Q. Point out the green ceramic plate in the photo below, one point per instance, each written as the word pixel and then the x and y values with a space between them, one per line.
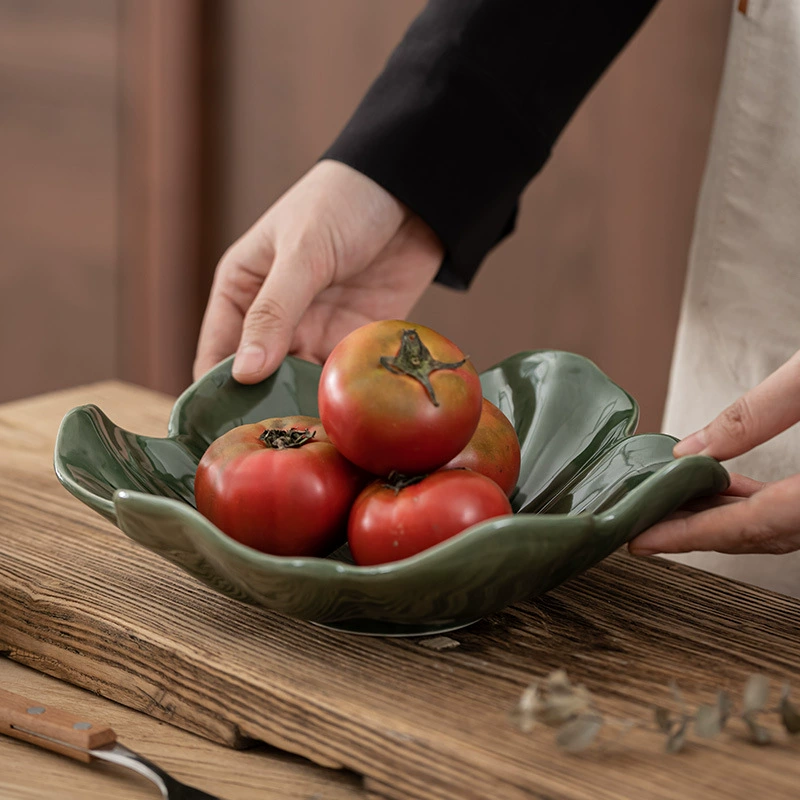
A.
pixel 586 487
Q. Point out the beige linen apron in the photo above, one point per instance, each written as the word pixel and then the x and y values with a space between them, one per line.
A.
pixel 740 317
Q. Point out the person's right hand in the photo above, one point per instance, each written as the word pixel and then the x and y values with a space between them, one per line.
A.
pixel 335 252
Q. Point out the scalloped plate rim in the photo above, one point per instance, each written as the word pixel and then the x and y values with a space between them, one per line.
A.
pixel 97 502
pixel 467 539
pixel 183 398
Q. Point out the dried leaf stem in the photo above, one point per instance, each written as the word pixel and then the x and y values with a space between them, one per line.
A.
pixel 570 708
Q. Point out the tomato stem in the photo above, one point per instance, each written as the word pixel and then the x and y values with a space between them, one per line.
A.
pixel 397 481
pixel 279 439
pixel 415 360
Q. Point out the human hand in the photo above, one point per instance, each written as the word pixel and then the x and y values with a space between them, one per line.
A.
pixel 750 517
pixel 333 253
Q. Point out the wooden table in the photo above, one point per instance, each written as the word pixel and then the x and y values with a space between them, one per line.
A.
pixel 80 602
pixel 27 772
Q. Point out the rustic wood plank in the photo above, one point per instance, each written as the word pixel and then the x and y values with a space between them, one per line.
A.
pixel 30 773
pixel 86 605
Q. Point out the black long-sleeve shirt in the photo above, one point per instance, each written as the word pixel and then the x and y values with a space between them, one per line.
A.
pixel 469 105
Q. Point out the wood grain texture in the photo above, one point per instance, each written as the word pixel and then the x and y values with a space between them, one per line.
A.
pixel 83 603
pixel 30 773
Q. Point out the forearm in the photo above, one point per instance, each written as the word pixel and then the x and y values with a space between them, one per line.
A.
pixel 469 105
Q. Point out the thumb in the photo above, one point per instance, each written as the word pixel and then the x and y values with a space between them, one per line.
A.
pixel 269 324
pixel 763 412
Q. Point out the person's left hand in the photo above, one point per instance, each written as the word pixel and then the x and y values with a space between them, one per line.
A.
pixel 750 517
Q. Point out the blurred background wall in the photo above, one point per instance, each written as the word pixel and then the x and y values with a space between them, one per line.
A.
pixel 138 138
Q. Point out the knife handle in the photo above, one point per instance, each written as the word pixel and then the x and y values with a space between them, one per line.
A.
pixel 51 728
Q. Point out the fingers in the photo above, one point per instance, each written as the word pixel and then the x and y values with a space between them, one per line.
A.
pixel 308 260
pixel 742 486
pixel 292 284
pixel 765 411
pixel 329 226
pixel 721 529
pixel 766 522
pixel 238 278
pixel 704 503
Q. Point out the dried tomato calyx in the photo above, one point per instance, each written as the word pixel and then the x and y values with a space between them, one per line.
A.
pixel 397 481
pixel 415 360
pixel 279 439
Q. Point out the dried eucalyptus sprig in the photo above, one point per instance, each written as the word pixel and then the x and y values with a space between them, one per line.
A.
pixel 754 701
pixel 559 704
pixel 569 707
pixel 790 716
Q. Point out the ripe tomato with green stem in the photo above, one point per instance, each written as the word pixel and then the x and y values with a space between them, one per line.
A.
pixel 396 396
pixel 278 486
pixel 399 516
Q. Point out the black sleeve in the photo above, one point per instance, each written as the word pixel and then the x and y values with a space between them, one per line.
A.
pixel 469 105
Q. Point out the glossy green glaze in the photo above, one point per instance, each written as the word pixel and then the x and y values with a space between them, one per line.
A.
pixel 587 486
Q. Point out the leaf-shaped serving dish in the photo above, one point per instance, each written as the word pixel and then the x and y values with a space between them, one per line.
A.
pixel 586 486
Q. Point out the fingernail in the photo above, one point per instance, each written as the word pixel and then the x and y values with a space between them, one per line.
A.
pixel 692 445
pixel 642 552
pixel 249 360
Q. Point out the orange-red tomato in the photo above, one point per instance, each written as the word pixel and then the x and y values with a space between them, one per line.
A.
pixel 390 521
pixel 395 396
pixel 493 449
pixel 279 486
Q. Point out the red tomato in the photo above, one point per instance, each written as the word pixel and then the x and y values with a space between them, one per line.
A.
pixel 493 449
pixel 388 523
pixel 279 486
pixel 394 396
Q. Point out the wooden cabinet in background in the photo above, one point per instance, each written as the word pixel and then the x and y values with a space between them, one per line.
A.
pixel 59 187
pixel 100 193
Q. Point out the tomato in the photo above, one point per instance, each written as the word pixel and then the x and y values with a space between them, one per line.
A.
pixel 279 486
pixel 395 396
pixel 493 449
pixel 396 518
